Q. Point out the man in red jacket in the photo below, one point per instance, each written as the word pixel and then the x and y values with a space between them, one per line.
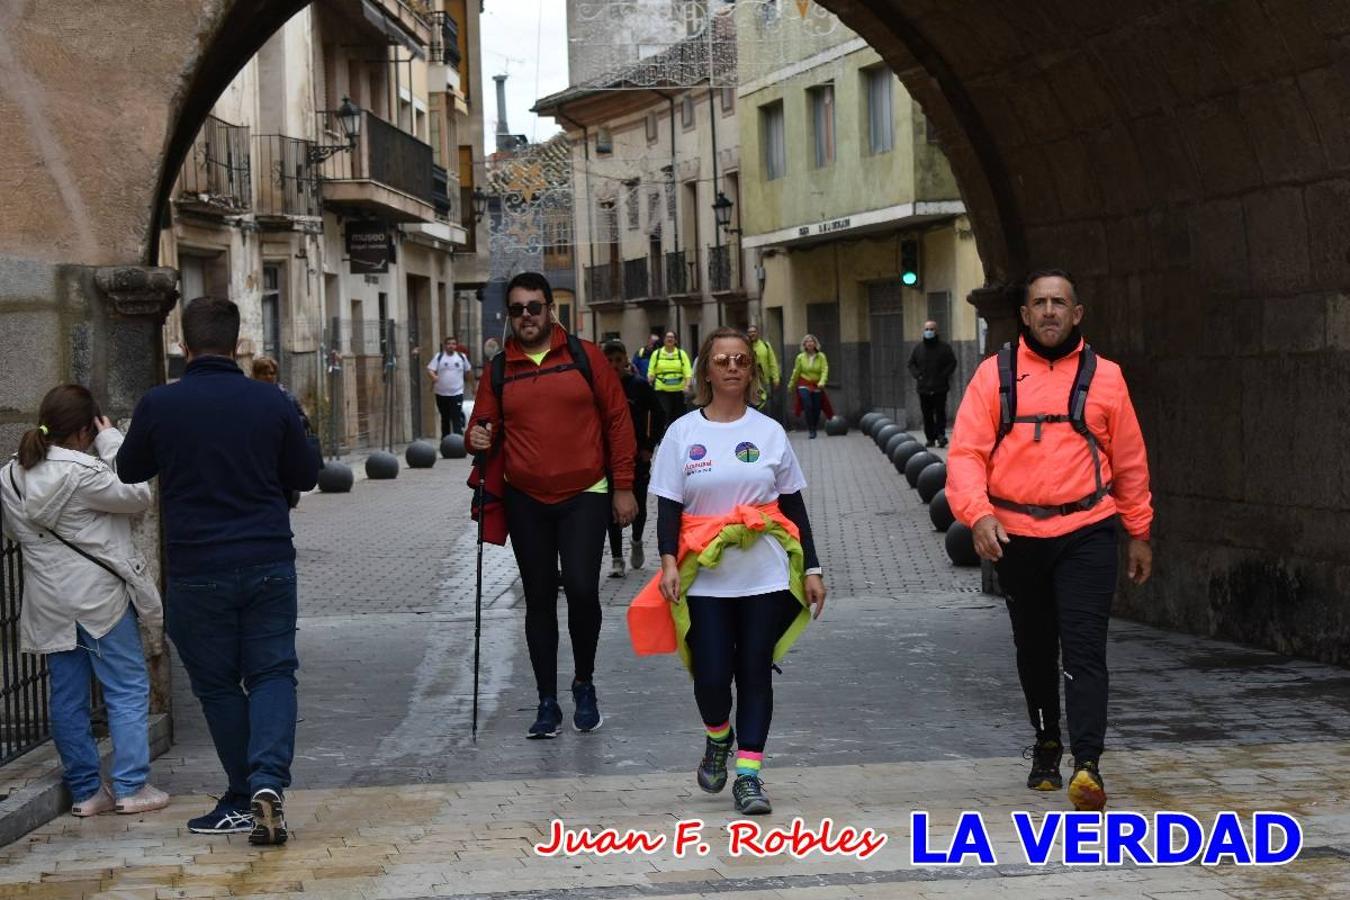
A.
pixel 1043 499
pixel 561 418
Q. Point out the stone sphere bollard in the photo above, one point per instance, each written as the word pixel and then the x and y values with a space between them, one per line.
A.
pixel 381 465
pixel 896 440
pixel 961 545
pixel 336 477
pixel 940 511
pixel 420 455
pixel 932 479
pixel 865 423
pixel 878 425
pixel 917 463
pixel 452 447
pixel 900 456
pixel 882 435
pixel 837 427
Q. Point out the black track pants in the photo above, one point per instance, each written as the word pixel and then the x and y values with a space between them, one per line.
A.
pixel 1059 594
pixel 542 536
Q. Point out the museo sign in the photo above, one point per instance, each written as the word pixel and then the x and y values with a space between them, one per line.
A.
pixel 369 247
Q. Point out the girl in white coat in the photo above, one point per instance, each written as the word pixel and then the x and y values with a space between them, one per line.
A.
pixel 84 589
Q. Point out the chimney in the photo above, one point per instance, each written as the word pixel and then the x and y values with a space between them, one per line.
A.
pixel 503 132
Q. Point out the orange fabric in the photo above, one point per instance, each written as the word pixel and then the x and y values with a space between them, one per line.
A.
pixel 556 442
pixel 651 626
pixel 1058 469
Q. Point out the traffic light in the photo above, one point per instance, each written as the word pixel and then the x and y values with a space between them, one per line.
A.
pixel 909 263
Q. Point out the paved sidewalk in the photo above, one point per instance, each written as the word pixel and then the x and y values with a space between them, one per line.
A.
pixel 904 696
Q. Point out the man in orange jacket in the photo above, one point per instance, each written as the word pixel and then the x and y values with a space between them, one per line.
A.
pixel 1046 456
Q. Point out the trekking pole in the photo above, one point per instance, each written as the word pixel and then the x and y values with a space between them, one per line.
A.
pixel 480 462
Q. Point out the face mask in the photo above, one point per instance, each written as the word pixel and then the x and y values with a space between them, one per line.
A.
pixel 929 334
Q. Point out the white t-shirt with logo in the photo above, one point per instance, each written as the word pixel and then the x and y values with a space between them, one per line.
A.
pixel 449 369
pixel 713 467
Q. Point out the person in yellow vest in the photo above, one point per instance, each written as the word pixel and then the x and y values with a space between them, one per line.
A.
pixel 767 360
pixel 809 374
pixel 670 372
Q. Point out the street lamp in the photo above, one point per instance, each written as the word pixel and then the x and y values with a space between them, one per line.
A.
pixel 722 210
pixel 480 204
pixel 349 120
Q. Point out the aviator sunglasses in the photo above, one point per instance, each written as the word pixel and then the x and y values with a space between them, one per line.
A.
pixel 534 308
pixel 723 360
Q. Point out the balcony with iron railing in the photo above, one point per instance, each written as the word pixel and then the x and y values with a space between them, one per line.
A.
pixel 444 39
pixel 682 282
pixel 603 285
pixel 722 275
pixel 287 181
pixel 215 175
pixel 635 281
pixel 387 173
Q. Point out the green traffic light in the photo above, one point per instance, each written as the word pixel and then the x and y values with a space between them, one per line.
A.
pixel 909 279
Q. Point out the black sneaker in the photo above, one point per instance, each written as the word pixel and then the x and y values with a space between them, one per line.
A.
pixel 712 771
pixel 587 715
pixel 1086 790
pixel 269 819
pixel 231 816
pixel 748 792
pixel 549 720
pixel 1045 756
pixel 930 443
pixel 942 442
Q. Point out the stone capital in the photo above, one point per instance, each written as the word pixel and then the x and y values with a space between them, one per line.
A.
pixel 995 301
pixel 139 291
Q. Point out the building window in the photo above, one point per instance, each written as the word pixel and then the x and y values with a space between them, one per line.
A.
pixel 653 129
pixel 654 212
pixel 773 140
pixel 880 104
pixel 271 312
pixel 687 112
pixel 604 141
pixel 728 100
pixel 822 123
pixel 631 205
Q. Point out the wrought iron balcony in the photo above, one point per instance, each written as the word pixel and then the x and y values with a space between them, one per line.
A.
pixel 681 274
pixel 719 269
pixel 603 285
pixel 215 175
pixel 388 172
pixel 288 183
pixel 444 39
pixel 635 279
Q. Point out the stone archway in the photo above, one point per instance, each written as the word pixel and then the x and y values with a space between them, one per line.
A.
pixel 1187 160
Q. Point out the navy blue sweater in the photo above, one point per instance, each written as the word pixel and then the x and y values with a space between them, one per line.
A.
pixel 226 449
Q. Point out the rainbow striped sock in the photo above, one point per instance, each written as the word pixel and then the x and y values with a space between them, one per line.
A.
pixel 719 733
pixel 748 762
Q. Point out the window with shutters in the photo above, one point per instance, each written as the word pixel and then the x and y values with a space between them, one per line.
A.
pixel 773 140
pixel 880 91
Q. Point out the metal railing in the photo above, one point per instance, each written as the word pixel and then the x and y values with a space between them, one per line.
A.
pixel 24 719
pixel 719 268
pixel 681 273
pixel 635 279
pixel 216 171
pixel 444 39
pixel 288 183
pixel 384 153
pixel 602 284
pixel 446 195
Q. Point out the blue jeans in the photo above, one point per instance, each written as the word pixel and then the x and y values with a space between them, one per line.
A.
pixel 119 664
pixel 235 632
pixel 810 407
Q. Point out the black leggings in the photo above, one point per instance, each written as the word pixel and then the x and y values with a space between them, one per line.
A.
pixel 734 637
pixel 1059 594
pixel 542 535
pixel 642 478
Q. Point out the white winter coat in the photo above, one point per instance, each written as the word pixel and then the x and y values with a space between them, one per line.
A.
pixel 80 498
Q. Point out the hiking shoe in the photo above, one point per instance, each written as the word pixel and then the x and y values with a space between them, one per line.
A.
pixel 1086 791
pixel 269 819
pixel 227 818
pixel 100 802
pixel 636 558
pixel 942 442
pixel 587 716
pixel 616 568
pixel 548 721
pixel 748 792
pixel 1045 756
pixel 148 799
pixel 930 443
pixel 712 771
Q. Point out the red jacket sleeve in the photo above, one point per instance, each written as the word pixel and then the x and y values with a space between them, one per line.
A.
pixel 972 444
pixel 1129 469
pixel 485 406
pixel 616 421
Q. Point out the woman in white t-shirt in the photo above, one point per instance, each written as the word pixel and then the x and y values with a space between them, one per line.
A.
pixel 729 488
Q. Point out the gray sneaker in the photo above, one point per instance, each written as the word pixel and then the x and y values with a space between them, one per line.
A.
pixel 748 792
pixel 636 558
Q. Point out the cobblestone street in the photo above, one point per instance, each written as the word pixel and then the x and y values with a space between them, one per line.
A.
pixel 902 697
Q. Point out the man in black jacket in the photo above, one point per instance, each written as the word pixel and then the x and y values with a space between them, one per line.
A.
pixel 932 364
pixel 649 424
pixel 227 449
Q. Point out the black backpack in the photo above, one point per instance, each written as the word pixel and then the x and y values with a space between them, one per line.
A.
pixel 580 361
pixel 1076 418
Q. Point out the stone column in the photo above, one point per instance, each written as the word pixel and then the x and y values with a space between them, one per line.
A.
pixel 127 359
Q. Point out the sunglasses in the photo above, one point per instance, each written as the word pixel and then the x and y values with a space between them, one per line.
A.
pixel 723 360
pixel 534 308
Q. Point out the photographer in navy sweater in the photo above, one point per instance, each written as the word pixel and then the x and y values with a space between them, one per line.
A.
pixel 227 450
